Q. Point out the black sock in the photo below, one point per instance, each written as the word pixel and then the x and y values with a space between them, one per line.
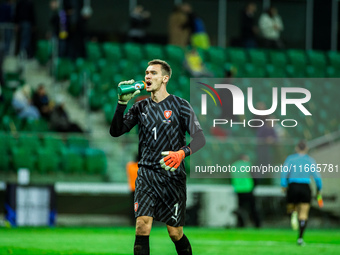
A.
pixel 183 246
pixel 141 246
pixel 302 227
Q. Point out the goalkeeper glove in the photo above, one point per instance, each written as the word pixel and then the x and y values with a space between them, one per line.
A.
pixel 172 160
pixel 125 98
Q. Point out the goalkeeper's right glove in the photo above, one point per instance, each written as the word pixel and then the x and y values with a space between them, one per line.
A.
pixel 125 98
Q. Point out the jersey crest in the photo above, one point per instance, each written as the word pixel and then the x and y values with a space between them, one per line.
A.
pixel 167 114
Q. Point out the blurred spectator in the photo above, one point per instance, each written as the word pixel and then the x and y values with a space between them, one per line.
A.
pixel 179 25
pixel 249 29
pixel 132 172
pixel 25 21
pixel 79 18
pixel 60 22
pixel 244 185
pixel 2 82
pixel 194 64
pixel 6 19
pixel 271 26
pixel 55 25
pixel 42 102
pixel 199 36
pixel 22 103
pixel 139 20
pixel 59 119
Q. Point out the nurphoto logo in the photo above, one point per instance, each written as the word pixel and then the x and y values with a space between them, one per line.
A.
pixel 238 106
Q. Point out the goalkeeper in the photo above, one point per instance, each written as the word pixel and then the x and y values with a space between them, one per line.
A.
pixel 163 120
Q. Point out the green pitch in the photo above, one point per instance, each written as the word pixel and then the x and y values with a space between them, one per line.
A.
pixel 83 241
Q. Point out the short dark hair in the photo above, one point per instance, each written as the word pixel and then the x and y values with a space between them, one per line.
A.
pixel 165 66
pixel 302 145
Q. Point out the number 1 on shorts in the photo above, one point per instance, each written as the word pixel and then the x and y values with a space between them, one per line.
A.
pixel 176 209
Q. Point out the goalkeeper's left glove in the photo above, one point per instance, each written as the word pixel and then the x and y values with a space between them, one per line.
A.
pixel 172 160
pixel 124 99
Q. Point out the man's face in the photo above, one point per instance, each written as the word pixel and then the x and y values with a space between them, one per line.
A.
pixel 154 78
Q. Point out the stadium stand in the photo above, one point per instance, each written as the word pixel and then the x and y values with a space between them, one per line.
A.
pixel 108 63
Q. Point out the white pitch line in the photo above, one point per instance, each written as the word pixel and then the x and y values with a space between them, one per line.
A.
pixel 262 243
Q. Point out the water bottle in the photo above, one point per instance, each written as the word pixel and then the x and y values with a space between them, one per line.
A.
pixel 130 88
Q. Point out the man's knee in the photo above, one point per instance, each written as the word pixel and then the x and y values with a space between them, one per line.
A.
pixel 143 225
pixel 175 234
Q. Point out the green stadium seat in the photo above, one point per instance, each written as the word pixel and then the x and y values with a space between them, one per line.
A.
pixel 53 143
pixel 47 161
pixel 109 110
pixel 153 51
pixel 177 70
pixel 317 59
pixel 11 123
pixel 275 71
pixel 76 141
pixel 257 57
pixel 174 54
pixel 7 95
pixel 129 70
pixel 39 125
pixel 23 158
pixel 173 87
pixel 315 72
pixel 334 59
pixel 332 72
pixel 3 110
pixel 96 80
pixel 109 70
pixel 297 58
pixel 13 80
pixel 43 51
pixel 96 99
pixel 83 65
pixel 8 140
pixel 237 56
pixel 184 85
pixel 72 161
pixel 217 55
pixel 29 142
pixel 93 51
pixel 204 54
pixel 5 145
pixel 95 161
pixel 100 84
pixel 278 58
pixel 133 52
pixel 116 79
pixel 217 70
pixel 4 161
pixel 76 85
pixel 252 71
pixel 294 72
pixel 112 96
pixel 102 63
pixel 112 51
pixel 4 141
pixel 63 68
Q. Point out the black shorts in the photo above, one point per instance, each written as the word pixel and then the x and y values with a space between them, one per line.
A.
pixel 298 193
pixel 160 197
